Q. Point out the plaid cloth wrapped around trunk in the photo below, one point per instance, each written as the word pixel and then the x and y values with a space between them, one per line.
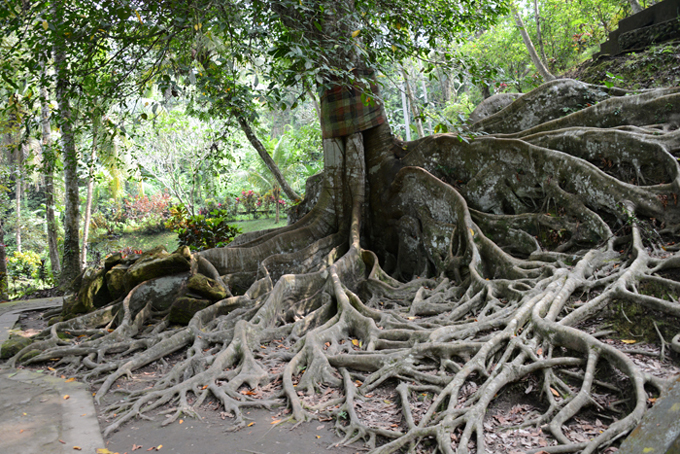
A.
pixel 343 112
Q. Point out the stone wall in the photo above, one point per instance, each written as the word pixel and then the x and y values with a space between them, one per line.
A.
pixel 656 24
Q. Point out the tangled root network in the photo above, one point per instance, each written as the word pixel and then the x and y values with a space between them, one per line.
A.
pixel 430 281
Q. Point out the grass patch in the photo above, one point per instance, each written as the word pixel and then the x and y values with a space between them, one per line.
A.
pixel 259 224
pixel 105 246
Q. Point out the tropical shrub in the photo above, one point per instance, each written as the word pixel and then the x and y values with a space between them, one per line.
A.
pixel 24 264
pixel 143 207
pixel 248 201
pixel 199 231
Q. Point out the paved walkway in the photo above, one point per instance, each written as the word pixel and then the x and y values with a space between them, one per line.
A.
pixel 9 312
pixel 42 413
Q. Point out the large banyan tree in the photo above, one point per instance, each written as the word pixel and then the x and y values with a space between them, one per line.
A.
pixel 444 270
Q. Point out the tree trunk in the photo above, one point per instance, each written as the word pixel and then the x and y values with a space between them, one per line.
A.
pixel 404 108
pixel 19 166
pixel 486 91
pixel 71 265
pixel 542 70
pixel 49 158
pixel 539 35
pixel 414 106
pixel 268 161
pixel 445 83
pixel 4 278
pixel 429 121
pixel 635 6
pixel 90 189
pixel 315 103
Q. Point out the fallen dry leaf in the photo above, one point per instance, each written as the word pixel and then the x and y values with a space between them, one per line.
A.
pixel 51 368
pixel 181 421
pixel 70 380
pixel 628 341
pixel 104 451
pixel 276 421
pixel 21 431
pixel 158 448
pixel 251 424
pixel 77 448
pixel 66 396
pixel 62 442
pixel 136 447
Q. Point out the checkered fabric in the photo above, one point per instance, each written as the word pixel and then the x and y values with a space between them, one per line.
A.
pixel 344 113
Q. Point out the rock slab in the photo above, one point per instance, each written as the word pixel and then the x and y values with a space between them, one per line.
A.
pixel 659 431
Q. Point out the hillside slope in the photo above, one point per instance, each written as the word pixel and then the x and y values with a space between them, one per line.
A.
pixel 658 66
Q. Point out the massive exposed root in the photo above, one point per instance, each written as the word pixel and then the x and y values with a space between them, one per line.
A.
pixel 450 269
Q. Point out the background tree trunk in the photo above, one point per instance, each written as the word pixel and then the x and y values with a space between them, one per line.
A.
pixel 19 164
pixel 277 194
pixel 412 101
pixel 539 35
pixel 635 6
pixel 404 107
pixel 268 161
pixel 71 256
pixel 542 70
pixel 429 121
pixel 315 103
pixel 49 158
pixel 4 280
pixel 90 189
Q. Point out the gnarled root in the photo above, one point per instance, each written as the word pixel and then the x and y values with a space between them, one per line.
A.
pixel 433 282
